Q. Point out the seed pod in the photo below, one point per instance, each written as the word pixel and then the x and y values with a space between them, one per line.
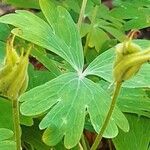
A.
pixel 24 85
pixel 124 49
pixel 125 52
pixel 11 55
pixel 17 84
pixel 13 75
pixel 130 65
pixel 5 70
pixel 7 80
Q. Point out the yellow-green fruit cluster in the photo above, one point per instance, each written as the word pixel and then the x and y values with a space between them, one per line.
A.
pixel 126 53
pixel 13 74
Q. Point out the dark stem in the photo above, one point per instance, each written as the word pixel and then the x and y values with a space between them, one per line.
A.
pixel 110 145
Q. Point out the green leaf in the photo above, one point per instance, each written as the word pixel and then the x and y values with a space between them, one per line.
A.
pixel 42 57
pixel 67 98
pixel 137 138
pixel 85 28
pixel 131 100
pixel 5 142
pixel 97 38
pixel 64 27
pixel 105 18
pixel 137 15
pixel 52 135
pixel 61 146
pixel 96 2
pixel 72 5
pixel 90 56
pixel 29 134
pixel 6 120
pixel 101 27
pixel 2 52
pixel 38 77
pixel 27 121
pixel 4 32
pixel 137 23
pixel 102 66
pixel 109 44
pixel 6 115
pixel 134 101
pixel 119 35
pixel 7 145
pixel 136 3
pixel 5 134
pixel 43 35
pixel 138 10
pixel 122 13
pixel 23 4
pixel 141 79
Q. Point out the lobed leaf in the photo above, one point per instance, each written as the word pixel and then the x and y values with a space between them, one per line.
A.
pixel 67 99
pixel 64 27
pixel 37 31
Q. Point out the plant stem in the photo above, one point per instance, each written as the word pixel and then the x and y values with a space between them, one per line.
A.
pixel 16 122
pixel 80 146
pixel 83 142
pixel 110 145
pixel 87 143
pixel 109 114
pixel 84 2
pixel 94 14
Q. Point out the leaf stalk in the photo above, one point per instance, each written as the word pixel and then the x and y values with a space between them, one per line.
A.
pixel 126 63
pixel 109 114
pixel 15 107
pixel 82 11
pixel 94 14
pixel 84 145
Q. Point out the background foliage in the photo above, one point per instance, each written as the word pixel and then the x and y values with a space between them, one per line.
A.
pixel 70 96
